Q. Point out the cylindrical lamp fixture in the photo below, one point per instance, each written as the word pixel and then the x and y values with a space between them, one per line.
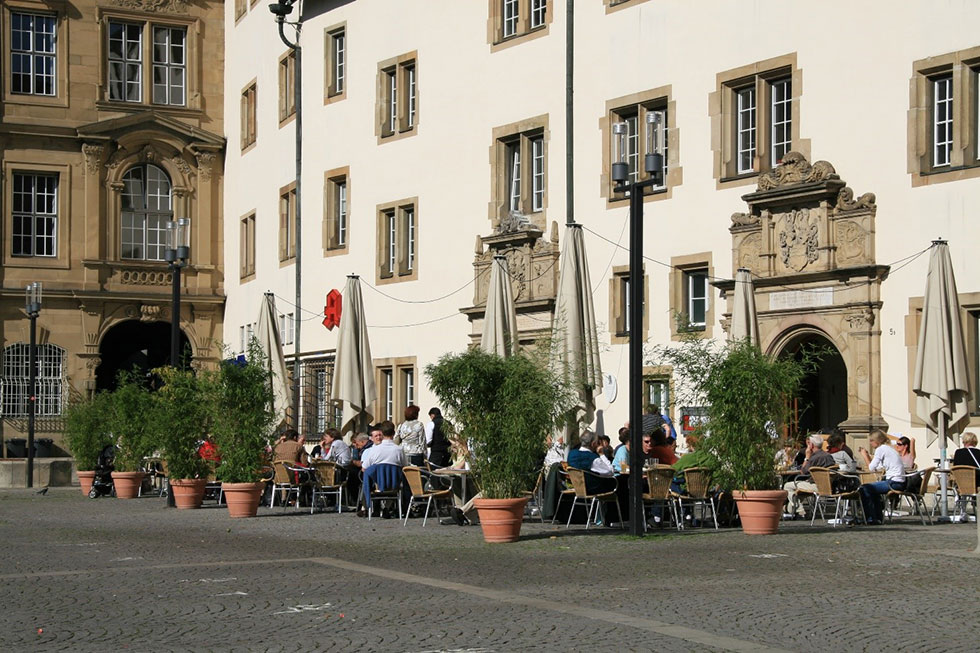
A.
pixel 32 298
pixel 170 253
pixel 183 238
pixel 653 161
pixel 619 152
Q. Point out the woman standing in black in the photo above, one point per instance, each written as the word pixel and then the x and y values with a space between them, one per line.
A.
pixel 439 444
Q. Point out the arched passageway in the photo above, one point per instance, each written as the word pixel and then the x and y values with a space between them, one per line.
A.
pixel 134 344
pixel 823 396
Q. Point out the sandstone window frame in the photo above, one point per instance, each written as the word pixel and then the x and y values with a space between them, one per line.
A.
pixel 35 215
pixel 654 99
pixel 287 328
pixel 681 269
pixel 287 224
pixel 510 22
pixel 391 375
pixel 723 109
pixel 59 95
pixel 149 224
pixel 246 263
pixel 397 106
pixel 336 211
pixel 654 375
pixel 241 8
pixel 249 110
pixel 617 5
pixel 530 140
pixel 619 305
pixel 287 82
pixel 960 69
pixel 192 94
pixel 397 241
pixel 335 63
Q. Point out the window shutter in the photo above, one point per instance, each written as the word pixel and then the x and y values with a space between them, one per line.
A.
pixel 283 230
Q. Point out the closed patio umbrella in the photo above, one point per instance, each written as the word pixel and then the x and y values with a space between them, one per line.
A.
pixel 745 324
pixel 267 334
pixel 353 375
pixel 500 321
pixel 575 341
pixel 941 382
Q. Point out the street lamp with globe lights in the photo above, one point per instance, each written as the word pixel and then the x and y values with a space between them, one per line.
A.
pixel 176 255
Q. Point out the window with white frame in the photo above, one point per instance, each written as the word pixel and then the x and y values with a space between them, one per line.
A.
pixel 781 112
pixel 287 223
pixel 247 246
pixel 526 188
pixel 696 296
pixel 249 108
pixel 287 328
pixel 745 121
pixel 130 49
pixel 336 204
pixel 513 19
pixel 691 308
pixel 146 209
pixel 620 305
pixel 287 85
pixel 49 380
pixel 657 392
pixel 398 95
pixel 408 384
pixel 511 16
pixel 398 241
pixel 635 116
pixel 942 119
pixel 336 61
pixel 396 386
pixel 33 39
pixel 539 11
pixel 35 214
pixel 388 392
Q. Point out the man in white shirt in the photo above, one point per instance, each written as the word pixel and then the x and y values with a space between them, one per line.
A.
pixel 890 461
pixel 386 452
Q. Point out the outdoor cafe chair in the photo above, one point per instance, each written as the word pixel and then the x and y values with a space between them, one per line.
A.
pixel 213 486
pixel 536 497
pixel 659 479
pixel 697 484
pixel 283 481
pixel 413 476
pixel 325 484
pixel 965 481
pixel 382 482
pixel 822 478
pixel 566 487
pixel 590 501
pixel 916 499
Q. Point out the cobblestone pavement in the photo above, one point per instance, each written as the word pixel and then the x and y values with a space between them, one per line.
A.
pixel 108 574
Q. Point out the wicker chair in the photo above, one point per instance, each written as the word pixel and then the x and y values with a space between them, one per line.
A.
pixel 325 483
pixel 568 490
pixel 916 499
pixel 536 496
pixel 697 483
pixel 659 479
pixel 821 477
pixel 589 501
pixel 965 479
pixel 283 480
pixel 413 476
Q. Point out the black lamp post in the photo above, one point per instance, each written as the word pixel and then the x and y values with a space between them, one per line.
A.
pixel 33 308
pixel 176 255
pixel 653 166
pixel 280 10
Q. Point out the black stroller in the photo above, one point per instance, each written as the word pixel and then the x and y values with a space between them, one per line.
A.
pixel 102 484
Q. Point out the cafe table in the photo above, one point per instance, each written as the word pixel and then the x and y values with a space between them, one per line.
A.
pixel 453 474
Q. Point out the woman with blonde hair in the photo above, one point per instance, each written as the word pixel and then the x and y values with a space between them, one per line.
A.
pixel 889 460
pixel 968 454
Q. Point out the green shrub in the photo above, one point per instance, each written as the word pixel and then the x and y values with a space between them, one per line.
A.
pixel 87 429
pixel 182 419
pixel 131 414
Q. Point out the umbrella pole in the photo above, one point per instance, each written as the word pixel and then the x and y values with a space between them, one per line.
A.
pixel 943 478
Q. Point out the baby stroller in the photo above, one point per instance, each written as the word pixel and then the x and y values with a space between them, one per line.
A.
pixel 102 483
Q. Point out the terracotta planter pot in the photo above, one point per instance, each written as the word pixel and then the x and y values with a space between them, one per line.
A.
pixel 242 498
pixel 188 492
pixel 127 484
pixel 760 510
pixel 501 519
pixel 85 479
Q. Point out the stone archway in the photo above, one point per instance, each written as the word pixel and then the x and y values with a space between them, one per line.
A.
pixel 134 344
pixel 823 397
pixel 809 244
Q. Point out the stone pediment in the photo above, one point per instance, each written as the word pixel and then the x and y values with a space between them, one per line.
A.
pixel 116 129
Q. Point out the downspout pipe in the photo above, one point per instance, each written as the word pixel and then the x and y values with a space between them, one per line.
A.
pixel 569 112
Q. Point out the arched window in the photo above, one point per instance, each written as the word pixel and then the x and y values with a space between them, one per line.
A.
pixel 50 380
pixel 146 209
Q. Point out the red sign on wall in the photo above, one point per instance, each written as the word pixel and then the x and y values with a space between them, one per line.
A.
pixel 331 310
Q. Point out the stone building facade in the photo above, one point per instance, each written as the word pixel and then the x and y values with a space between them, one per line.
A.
pixel 112 125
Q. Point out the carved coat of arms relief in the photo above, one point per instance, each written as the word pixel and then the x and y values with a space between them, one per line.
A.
pixel 799 238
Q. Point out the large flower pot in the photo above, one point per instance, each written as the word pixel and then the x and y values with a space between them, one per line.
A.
pixel 127 484
pixel 85 479
pixel 242 498
pixel 760 510
pixel 188 492
pixel 501 519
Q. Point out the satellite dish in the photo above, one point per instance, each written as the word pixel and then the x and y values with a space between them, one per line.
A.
pixel 609 387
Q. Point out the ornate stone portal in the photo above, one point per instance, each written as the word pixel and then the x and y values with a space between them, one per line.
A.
pixel 810 246
pixel 532 261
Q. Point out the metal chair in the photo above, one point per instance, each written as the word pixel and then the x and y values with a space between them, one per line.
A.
pixel 965 479
pixel 567 491
pixel 821 477
pixel 325 483
pixel 283 480
pixel 916 500
pixel 413 476
pixel 536 497
pixel 697 484
pixel 589 501
pixel 659 479
pixel 382 482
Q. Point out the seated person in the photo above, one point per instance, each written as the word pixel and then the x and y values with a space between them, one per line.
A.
pixel 334 449
pixel 622 456
pixel 835 447
pixel 361 442
pixel 289 449
pixel 815 456
pixel 906 449
pixel 968 454
pixel 605 448
pixel 585 457
pixel 624 437
pixel 889 460
pixel 658 449
pixel 386 451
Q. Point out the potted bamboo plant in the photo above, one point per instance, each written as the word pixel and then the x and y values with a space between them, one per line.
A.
pixel 242 421
pixel 746 393
pixel 505 408
pixel 181 422
pixel 87 434
pixel 130 417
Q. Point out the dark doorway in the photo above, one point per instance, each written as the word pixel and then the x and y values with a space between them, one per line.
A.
pixel 823 396
pixel 134 345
